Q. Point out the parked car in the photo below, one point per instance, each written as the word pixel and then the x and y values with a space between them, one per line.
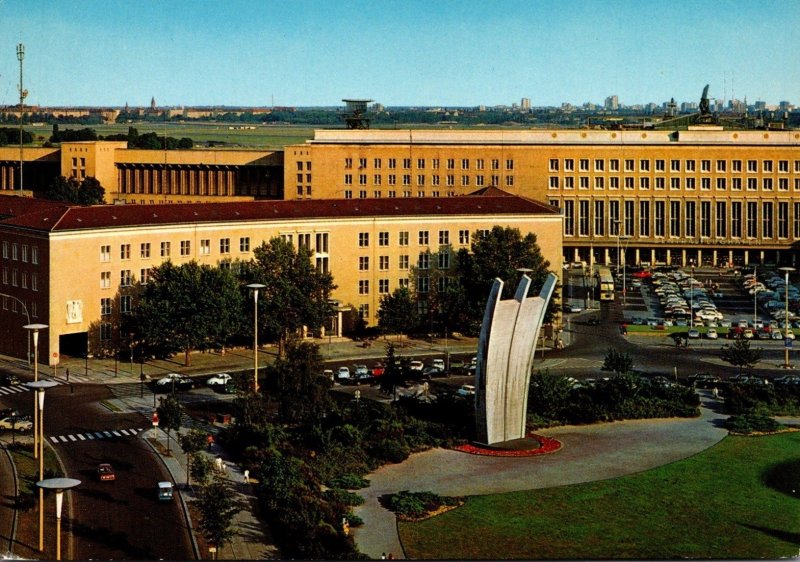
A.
pixel 105 472
pixel 572 308
pixel 466 390
pixel 416 365
pixel 711 334
pixel 343 374
pixel 378 370
pixel 704 380
pixel 19 424
pixel 174 381
pixel 361 374
pixel 219 380
pixel 787 379
pixel 8 380
pixel 693 334
pixel 438 363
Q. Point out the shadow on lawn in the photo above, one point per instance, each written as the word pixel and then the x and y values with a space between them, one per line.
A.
pixel 784 477
pixel 786 536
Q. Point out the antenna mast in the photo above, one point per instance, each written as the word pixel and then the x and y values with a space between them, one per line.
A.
pixel 22 95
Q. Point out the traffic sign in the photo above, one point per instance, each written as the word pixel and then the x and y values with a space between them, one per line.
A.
pixel 155 419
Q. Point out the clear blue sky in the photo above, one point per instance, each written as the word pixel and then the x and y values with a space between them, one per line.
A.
pixel 406 52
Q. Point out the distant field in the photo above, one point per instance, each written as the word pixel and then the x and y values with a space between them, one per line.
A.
pixel 737 500
pixel 263 136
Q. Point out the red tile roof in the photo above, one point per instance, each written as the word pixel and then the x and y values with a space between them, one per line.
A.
pixel 56 217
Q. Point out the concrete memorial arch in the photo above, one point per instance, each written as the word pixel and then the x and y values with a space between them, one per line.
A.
pixel 505 358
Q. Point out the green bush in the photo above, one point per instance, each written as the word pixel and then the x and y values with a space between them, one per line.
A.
pixel 414 505
pixel 390 450
pixel 343 497
pixel 752 422
pixel 349 482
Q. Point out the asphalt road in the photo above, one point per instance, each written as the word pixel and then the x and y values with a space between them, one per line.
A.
pixel 110 520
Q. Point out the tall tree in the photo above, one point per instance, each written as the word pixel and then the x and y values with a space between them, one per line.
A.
pixel 502 252
pixel 398 312
pixel 191 443
pixel 187 307
pixel 617 362
pixel 297 382
pixel 169 415
pixel 740 354
pixel 217 508
pixel 87 192
pixel 295 295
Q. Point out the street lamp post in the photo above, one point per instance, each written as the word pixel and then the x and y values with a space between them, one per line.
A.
pixel 691 296
pixel 40 387
pixel 59 485
pixel 35 329
pixel 255 287
pixel 786 324
pixel 755 295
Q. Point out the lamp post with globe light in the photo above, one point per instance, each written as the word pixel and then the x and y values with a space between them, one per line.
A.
pixel 786 325
pixel 59 485
pixel 255 287
pixel 35 329
pixel 40 387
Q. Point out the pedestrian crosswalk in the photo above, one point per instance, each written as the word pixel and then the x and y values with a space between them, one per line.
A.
pixel 95 435
pixel 20 387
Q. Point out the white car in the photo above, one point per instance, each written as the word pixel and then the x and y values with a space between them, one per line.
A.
pixel 174 380
pixel 221 379
pixel 416 365
pixel 18 424
pixel 712 334
pixel 343 374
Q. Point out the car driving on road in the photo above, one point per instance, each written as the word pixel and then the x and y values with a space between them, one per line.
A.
pixel 16 423
pixel 173 381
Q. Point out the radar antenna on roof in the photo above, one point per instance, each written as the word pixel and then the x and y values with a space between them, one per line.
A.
pixel 355 112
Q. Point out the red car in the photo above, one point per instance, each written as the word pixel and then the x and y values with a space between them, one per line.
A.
pixel 643 274
pixel 105 472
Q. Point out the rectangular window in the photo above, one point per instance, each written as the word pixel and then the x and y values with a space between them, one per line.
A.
pixel 599 182
pixel 376 163
pixel 435 163
pixel 205 247
pixel 628 182
pixel 444 259
pixel 569 217
pixel 403 262
pixel 752 184
pixel 675 219
pixel 424 260
pixel 463 237
pixel 24 253
pixel 363 239
pixel 553 164
pixel 767 184
pixel 674 165
pixel 767 164
pixel 392 163
pixel 406 163
pixel 690 183
pixel 722 220
pixel 363 311
pixel 383 286
pixel 691 211
pixel 721 184
pixel 553 182
pixel 659 223
pixel 583 182
pixel 690 165
pixel 783 219
pixel 752 166
pixel 186 247
pixel 363 263
pixel 752 219
pixel 644 218
pixel 569 182
pixel 244 244
pixel 721 165
pixel 363 286
pixel 348 179
pixel 583 165
pixel 424 238
pixel 5 249
pixel 766 219
pixel 105 307
pixel 165 249
pixel 105 253
pixel 583 217
pixel 383 262
pixel 125 278
pixel 383 239
pixel 125 304
pixel 796 221
pixel 644 182
pixel 660 166
pixel 783 184
pixel 644 165
pixel 613 165
pixel 322 243
pixel 105 279
pixel 444 237
pixel 348 163
pixel 569 165
pixel 224 245
pixel 705 219
pixel 705 165
pixel 599 218
pixel 124 251
pixel 599 165
pixel 144 276
pixel 629 165
pixel 674 183
pixel 705 184
pixel 402 238
pixel 34 255
pixel 613 182
pixel 736 219
pixel 629 219
pixel 423 284
pixel 736 184
pixel 509 164
pixel 376 179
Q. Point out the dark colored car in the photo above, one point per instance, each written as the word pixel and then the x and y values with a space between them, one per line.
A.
pixel 105 472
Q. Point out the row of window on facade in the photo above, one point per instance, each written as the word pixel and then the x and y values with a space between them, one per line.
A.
pixel 681 219
pixel 423 238
pixel 423 261
pixel 391 194
pixel 12 304
pixel 675 183
pixel 435 180
pixel 224 245
pixel 675 165
pixel 22 252
pixel 421 287
pixel 435 163
pixel 24 279
pixel 422 309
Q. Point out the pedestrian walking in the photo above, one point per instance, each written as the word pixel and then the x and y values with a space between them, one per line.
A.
pixel 67 373
pixel 383 556
pixel 218 463
pixel 209 440
pixel 246 476
pixel 715 392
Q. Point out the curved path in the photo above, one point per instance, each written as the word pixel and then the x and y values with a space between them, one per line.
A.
pixel 589 453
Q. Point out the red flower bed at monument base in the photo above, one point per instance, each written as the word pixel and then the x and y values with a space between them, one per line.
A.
pixel 546 445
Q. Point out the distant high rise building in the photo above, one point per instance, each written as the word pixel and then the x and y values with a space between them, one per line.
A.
pixel 526 103
pixel 785 106
pixel 761 105
pixel 612 103
pixel 153 103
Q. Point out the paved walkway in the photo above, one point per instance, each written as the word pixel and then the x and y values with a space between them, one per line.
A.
pixel 589 453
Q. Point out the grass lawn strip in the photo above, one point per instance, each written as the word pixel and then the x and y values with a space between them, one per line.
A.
pixel 713 505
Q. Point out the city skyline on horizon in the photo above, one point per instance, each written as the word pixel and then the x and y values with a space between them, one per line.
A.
pixel 401 54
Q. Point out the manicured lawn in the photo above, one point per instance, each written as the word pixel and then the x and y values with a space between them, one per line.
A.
pixel 734 500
